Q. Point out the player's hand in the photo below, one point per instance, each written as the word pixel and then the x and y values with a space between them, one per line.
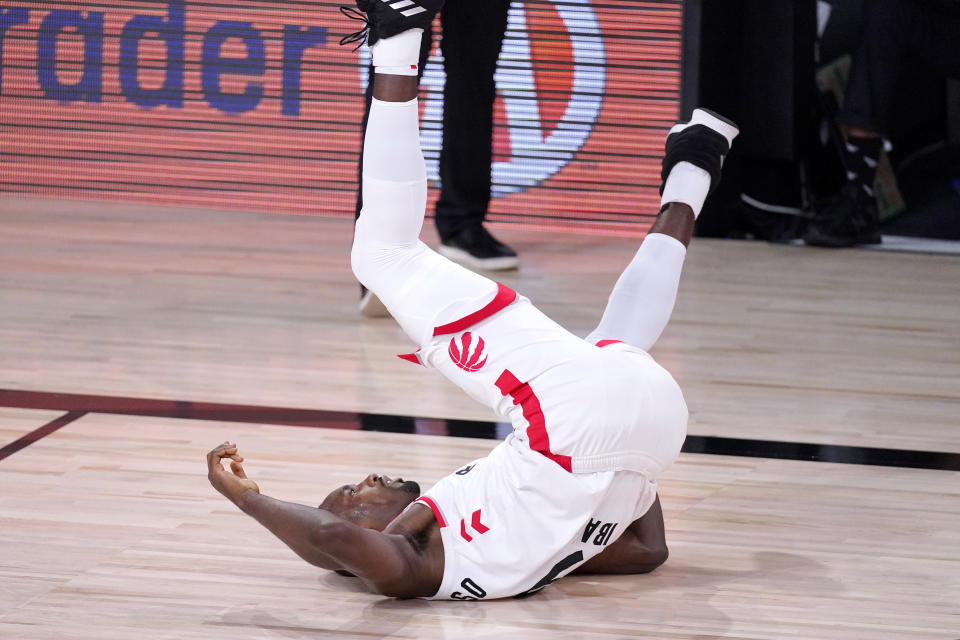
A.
pixel 233 484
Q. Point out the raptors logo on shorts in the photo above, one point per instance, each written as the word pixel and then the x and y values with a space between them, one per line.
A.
pixel 465 358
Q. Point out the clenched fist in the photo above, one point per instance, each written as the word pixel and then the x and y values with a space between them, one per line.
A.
pixel 233 484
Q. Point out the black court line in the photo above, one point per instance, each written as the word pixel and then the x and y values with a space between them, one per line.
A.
pixel 79 404
pixel 842 454
pixel 40 433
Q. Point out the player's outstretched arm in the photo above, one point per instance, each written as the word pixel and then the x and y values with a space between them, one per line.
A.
pixel 641 549
pixel 385 562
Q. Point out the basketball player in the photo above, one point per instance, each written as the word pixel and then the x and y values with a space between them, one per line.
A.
pixel 574 487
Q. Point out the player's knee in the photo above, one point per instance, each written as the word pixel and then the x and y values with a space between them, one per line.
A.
pixel 361 260
pixel 379 266
pixel 365 255
pixel 653 558
pixel 659 556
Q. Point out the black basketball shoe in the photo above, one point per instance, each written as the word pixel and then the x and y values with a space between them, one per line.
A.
pixel 703 142
pixel 474 247
pixel 385 18
pixel 849 219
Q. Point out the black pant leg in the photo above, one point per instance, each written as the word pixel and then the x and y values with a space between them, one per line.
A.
pixel 472 37
pixel 938 41
pixel 896 30
pixel 426 43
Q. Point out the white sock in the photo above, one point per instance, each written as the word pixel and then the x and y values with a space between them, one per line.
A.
pixel 398 55
pixel 687 183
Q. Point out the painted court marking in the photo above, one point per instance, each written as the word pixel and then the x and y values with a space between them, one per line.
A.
pixel 78 405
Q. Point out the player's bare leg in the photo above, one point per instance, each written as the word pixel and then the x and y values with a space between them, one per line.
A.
pixel 643 298
pixel 676 220
pixel 641 549
pixel 391 88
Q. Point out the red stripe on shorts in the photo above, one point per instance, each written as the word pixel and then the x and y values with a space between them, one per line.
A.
pixel 603 343
pixel 537 434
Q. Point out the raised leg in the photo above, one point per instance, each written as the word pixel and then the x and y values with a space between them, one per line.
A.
pixel 414 282
pixel 642 299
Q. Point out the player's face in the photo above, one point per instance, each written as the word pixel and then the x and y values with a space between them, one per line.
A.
pixel 373 502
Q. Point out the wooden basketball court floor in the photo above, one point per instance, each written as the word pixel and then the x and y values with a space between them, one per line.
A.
pixel 133 340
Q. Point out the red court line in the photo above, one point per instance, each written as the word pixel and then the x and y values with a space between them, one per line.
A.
pixel 184 409
pixel 42 432
pixel 78 405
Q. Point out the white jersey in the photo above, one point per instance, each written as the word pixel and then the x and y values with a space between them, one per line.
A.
pixel 513 522
pixel 594 426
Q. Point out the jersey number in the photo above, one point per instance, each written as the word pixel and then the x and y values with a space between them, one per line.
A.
pixel 474 590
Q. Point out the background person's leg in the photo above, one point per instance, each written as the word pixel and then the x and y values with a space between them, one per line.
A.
pixel 472 38
pixel 895 31
pixel 876 65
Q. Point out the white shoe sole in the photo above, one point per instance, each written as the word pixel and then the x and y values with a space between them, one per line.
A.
pixel 372 307
pixel 481 264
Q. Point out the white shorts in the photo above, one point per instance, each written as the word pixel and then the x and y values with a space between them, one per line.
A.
pixel 604 407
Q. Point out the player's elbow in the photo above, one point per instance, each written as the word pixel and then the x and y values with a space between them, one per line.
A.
pixel 327 536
